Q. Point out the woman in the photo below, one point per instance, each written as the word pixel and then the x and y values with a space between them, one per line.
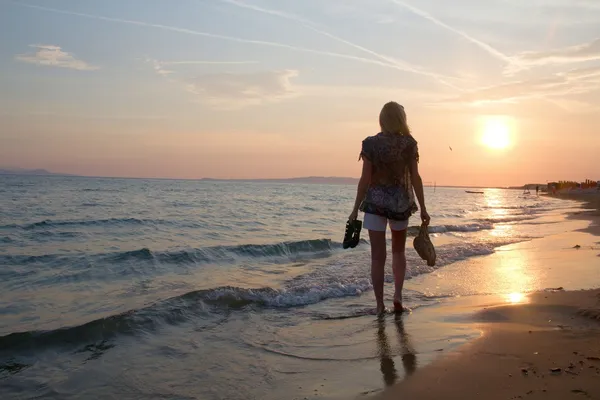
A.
pixel 385 194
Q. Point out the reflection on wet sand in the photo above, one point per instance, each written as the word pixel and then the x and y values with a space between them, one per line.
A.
pixel 387 365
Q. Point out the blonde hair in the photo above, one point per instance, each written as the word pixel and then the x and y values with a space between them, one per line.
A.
pixel 392 119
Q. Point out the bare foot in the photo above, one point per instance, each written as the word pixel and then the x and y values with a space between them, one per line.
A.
pixel 399 308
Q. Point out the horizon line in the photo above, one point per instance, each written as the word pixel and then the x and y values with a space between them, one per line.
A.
pixel 24 172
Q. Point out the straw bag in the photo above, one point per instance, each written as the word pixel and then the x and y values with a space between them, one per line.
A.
pixel 424 247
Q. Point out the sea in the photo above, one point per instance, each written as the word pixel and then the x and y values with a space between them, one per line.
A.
pixel 180 289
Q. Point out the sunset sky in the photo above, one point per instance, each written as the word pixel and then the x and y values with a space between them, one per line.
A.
pixel 285 88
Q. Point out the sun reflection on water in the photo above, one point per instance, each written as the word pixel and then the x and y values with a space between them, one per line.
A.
pixel 502 231
pixel 514 277
pixel 495 202
pixel 510 272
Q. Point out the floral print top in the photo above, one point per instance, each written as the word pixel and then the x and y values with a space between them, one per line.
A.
pixel 390 193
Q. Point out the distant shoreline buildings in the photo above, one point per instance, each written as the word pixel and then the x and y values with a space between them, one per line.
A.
pixel 563 186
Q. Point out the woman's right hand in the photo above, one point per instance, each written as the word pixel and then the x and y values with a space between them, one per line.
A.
pixel 425 217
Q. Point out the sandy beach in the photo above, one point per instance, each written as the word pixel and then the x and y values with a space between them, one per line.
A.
pixel 542 346
pixel 546 349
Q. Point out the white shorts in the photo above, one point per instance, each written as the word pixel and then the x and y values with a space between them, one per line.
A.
pixel 378 223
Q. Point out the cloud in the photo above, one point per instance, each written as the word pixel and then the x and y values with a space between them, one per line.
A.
pixel 575 106
pixel 225 37
pixel 207 62
pixel 513 90
pixel 233 90
pixel 566 55
pixel 365 92
pixel 159 67
pixel 582 73
pixel 54 56
pixel 574 82
pixel 484 46
pixel 52 114
pixel 559 4
pixel 394 63
pixel 353 11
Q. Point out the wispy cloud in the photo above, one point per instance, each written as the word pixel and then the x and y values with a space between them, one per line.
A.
pixel 566 55
pixel 552 88
pixel 353 10
pixel 575 106
pixel 227 91
pixel 54 56
pixel 159 67
pixel 217 36
pixel 52 114
pixel 591 5
pixel 513 90
pixel 398 64
pixel 207 62
pixel 582 73
pixel 237 90
pixel 484 46
pixel 232 91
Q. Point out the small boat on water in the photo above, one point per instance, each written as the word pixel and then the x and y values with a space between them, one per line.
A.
pixel 471 191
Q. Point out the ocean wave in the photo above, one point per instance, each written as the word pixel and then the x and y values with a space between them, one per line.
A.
pixel 505 220
pixel 347 277
pixel 120 222
pixel 475 227
pixel 174 311
pixel 108 221
pixel 25 259
pixel 230 253
pixel 516 207
pixel 285 250
pixel 449 215
pixel 51 235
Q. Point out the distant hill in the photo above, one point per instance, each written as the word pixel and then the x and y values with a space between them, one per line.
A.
pixel 24 171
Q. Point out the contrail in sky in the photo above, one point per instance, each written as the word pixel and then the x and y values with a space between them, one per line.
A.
pixel 423 14
pixel 402 65
pixel 211 35
pixel 387 64
pixel 207 62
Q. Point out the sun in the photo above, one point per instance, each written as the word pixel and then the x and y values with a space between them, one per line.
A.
pixel 496 133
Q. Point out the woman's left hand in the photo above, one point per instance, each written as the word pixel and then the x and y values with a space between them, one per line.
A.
pixel 425 218
pixel 353 215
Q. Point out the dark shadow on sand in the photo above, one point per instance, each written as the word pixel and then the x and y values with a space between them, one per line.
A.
pixel 386 358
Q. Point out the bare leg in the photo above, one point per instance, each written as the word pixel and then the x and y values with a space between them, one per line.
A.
pixel 398 264
pixel 378 254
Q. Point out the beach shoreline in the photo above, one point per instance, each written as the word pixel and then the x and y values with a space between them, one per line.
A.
pixel 543 346
pixel 592 213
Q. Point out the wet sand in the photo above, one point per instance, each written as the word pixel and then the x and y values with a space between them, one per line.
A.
pixel 546 346
pixel 546 349
pixel 591 203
